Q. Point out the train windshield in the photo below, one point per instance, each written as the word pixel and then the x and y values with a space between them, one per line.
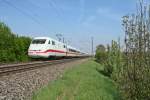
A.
pixel 39 41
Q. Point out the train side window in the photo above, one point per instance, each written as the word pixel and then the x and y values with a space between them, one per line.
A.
pixel 64 46
pixel 53 43
pixel 49 42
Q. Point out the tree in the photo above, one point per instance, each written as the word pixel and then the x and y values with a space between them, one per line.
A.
pixel 101 54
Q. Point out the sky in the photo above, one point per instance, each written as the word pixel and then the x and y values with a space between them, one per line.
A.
pixel 76 20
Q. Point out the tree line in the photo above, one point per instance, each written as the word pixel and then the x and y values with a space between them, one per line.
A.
pixel 129 67
pixel 13 48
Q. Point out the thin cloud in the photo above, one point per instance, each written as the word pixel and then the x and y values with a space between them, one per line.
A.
pixel 89 20
pixel 108 13
pixel 57 9
pixel 82 10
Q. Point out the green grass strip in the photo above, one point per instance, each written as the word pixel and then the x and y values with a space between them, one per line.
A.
pixel 83 82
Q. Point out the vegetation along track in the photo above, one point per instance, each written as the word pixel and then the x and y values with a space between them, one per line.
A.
pixel 15 68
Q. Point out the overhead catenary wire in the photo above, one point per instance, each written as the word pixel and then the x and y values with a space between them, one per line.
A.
pixel 33 13
pixel 29 1
pixel 24 13
pixel 52 3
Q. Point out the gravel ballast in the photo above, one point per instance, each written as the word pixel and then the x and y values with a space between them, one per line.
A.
pixel 20 86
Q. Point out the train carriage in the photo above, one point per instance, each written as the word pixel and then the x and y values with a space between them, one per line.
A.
pixel 45 47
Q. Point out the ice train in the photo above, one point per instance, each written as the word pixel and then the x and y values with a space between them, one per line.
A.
pixel 46 47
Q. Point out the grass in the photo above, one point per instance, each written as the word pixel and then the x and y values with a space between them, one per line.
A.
pixel 83 82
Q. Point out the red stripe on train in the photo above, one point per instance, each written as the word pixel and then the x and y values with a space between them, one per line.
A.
pixel 59 51
pixel 50 50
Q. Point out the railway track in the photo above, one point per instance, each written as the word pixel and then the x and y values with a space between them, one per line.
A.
pixel 17 68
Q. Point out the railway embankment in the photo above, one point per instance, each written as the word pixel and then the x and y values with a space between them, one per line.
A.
pixel 20 86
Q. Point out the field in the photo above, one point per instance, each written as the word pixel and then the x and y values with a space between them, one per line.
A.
pixel 82 82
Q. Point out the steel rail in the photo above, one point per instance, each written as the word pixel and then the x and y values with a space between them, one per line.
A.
pixel 17 68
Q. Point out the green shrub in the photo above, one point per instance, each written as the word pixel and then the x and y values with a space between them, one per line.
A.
pixel 101 54
pixel 12 47
pixel 134 81
pixel 113 62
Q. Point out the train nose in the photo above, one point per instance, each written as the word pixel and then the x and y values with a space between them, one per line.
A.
pixel 37 54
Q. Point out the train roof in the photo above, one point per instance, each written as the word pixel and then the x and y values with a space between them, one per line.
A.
pixel 44 38
pixel 70 47
pixel 49 39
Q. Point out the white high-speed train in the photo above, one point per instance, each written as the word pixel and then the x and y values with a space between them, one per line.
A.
pixel 45 47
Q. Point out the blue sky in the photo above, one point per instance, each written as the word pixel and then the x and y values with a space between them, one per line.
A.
pixel 77 20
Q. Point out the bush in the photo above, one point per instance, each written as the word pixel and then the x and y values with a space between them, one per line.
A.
pixel 12 47
pixel 108 69
pixel 101 54
pixel 134 81
pixel 113 63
